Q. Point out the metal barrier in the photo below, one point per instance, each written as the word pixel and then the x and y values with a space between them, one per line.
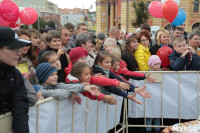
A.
pixel 37 109
pixel 159 76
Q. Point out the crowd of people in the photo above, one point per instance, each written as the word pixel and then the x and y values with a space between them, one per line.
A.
pixel 36 64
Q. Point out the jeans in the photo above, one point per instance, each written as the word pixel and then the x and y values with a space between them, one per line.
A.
pixel 150 122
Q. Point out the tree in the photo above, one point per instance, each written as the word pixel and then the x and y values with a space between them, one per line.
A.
pixel 51 23
pixel 42 23
pixel 141 13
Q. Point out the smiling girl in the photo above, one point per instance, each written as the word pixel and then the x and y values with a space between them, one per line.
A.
pixel 128 56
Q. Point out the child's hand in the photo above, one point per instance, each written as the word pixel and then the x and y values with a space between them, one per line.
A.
pixel 94 90
pixel 191 49
pixel 124 86
pixel 110 100
pixel 186 52
pixel 132 97
pixel 39 95
pixel 75 98
pixel 142 92
pixel 149 78
pixel 60 52
pixel 99 75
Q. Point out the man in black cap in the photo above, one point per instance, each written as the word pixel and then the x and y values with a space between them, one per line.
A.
pixel 13 96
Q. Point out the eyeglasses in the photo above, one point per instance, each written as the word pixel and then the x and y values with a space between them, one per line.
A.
pixel 144 40
pixel 14 49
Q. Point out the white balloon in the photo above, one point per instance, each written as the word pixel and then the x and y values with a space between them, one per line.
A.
pixel 177 1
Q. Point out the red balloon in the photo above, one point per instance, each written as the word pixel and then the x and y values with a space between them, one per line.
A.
pixel 28 16
pixel 13 25
pixel 3 22
pixel 9 11
pixel 155 9
pixel 163 53
pixel 170 10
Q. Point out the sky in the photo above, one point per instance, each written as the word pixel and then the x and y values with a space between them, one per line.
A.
pixel 75 4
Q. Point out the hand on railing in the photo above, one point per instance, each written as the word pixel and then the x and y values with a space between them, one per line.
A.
pixel 75 98
pixel 110 99
pixel 132 97
pixel 94 90
pixel 142 92
pixel 39 95
pixel 124 86
pixel 149 78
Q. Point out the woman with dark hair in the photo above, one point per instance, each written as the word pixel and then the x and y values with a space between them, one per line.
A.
pixel 28 60
pixel 142 54
pixel 128 56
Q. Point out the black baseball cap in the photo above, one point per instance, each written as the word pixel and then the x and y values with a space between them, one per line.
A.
pixel 9 38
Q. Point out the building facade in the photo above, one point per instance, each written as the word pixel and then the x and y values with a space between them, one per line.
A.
pixel 39 5
pixel 72 18
pixel 46 9
pixel 121 13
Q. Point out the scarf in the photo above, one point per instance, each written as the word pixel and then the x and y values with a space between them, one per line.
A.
pixel 105 71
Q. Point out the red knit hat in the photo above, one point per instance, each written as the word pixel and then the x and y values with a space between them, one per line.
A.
pixel 77 53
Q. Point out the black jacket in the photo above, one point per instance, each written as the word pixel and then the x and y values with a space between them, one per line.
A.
pixel 13 97
pixel 63 61
pixel 97 69
pixel 130 61
pixel 190 62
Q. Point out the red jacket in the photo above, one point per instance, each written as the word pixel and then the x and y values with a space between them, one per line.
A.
pixel 68 69
pixel 95 80
pixel 72 79
pixel 123 64
pixel 128 74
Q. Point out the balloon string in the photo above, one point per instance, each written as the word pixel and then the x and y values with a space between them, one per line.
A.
pixel 171 31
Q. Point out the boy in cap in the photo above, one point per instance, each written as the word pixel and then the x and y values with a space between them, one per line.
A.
pixel 13 96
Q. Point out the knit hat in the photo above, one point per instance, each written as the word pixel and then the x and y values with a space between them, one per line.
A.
pixel 153 60
pixel 43 71
pixel 77 53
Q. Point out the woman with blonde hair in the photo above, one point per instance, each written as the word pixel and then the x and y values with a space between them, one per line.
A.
pixel 98 45
pixel 163 39
pixel 115 50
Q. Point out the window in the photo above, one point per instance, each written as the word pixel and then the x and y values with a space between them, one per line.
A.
pixel 195 25
pixel 196 6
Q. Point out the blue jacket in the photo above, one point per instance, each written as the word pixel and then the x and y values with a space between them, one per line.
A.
pixel 190 62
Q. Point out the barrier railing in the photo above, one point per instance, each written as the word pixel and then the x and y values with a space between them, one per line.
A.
pixel 178 93
pixel 179 98
pixel 57 116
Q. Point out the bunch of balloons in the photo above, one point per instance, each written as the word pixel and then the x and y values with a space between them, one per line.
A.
pixel 13 16
pixel 169 10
